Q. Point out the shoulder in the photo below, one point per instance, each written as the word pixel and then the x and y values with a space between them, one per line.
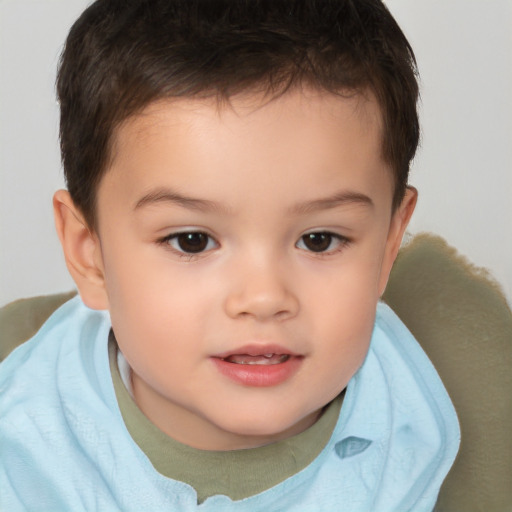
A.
pixel 61 352
pixel 54 388
pixel 62 330
pixel 409 371
pixel 21 319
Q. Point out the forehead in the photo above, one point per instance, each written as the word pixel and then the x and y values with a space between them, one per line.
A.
pixel 246 107
pixel 294 138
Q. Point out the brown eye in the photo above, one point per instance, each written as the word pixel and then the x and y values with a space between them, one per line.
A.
pixel 191 242
pixel 317 242
pixel 322 241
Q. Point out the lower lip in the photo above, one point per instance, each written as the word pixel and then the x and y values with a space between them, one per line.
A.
pixel 258 375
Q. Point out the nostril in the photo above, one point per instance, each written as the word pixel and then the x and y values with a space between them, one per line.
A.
pixel 262 308
pixel 263 295
pixel 283 314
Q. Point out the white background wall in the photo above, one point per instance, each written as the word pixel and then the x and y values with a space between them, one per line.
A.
pixel 463 170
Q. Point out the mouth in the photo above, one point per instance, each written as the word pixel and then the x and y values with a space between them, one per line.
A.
pixel 258 366
pixel 263 359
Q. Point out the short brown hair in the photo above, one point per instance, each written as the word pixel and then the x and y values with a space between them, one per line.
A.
pixel 121 55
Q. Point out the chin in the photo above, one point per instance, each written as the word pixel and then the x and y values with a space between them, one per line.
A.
pixel 268 428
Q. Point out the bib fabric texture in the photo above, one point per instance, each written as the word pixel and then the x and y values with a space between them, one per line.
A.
pixel 64 445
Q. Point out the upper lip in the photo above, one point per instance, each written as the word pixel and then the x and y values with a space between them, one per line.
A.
pixel 256 350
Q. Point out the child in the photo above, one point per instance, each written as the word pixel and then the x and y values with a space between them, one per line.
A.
pixel 237 194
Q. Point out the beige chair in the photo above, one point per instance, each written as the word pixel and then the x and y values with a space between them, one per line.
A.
pixel 463 322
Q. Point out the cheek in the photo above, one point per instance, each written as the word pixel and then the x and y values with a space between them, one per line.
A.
pixel 155 304
pixel 346 335
pixel 142 276
pixel 347 325
pixel 157 328
pixel 343 312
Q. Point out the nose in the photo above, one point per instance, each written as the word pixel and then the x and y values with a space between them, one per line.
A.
pixel 261 291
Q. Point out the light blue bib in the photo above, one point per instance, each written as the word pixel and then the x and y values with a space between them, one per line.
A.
pixel 64 446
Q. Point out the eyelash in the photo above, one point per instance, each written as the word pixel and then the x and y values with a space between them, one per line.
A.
pixel 341 243
pixel 180 250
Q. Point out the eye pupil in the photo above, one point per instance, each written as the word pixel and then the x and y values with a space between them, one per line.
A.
pixel 317 242
pixel 192 242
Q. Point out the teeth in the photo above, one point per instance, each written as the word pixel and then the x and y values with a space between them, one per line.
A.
pixel 264 359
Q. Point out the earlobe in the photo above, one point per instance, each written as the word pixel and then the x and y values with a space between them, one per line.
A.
pixel 399 223
pixel 82 251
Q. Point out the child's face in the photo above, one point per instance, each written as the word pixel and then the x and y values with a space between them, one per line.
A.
pixel 243 250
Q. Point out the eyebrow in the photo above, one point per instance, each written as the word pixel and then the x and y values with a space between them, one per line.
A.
pixel 165 195
pixel 339 199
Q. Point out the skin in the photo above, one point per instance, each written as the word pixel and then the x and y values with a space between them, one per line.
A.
pixel 266 173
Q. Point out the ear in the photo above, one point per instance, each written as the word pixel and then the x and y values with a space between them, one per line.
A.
pixel 82 251
pixel 399 222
